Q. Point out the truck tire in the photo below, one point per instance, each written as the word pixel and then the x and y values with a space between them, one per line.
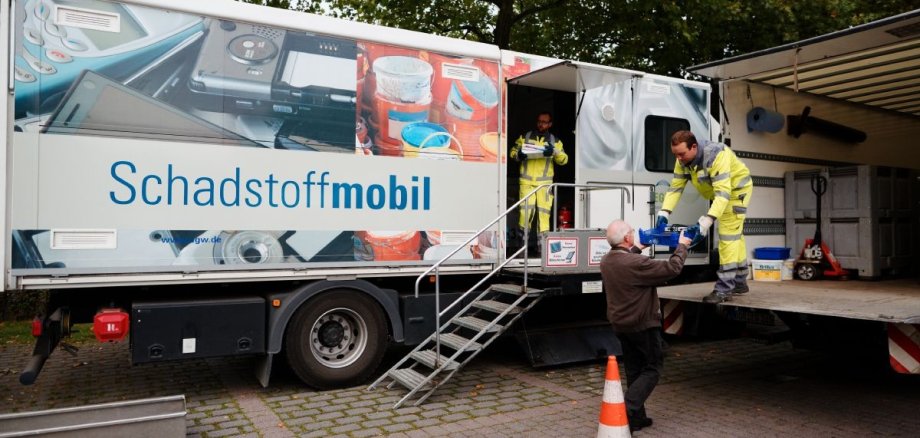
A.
pixel 336 339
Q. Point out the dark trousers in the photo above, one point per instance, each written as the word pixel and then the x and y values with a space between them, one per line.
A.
pixel 644 362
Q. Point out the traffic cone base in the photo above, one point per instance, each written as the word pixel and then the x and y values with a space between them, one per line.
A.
pixel 613 422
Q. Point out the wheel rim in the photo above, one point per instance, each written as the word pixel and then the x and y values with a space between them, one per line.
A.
pixel 338 337
pixel 806 272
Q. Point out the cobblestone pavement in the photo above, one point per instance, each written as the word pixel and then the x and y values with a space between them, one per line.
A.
pixel 729 388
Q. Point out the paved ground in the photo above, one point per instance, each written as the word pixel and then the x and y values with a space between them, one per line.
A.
pixel 731 388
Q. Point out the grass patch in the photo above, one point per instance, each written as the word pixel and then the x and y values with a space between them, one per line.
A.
pixel 20 332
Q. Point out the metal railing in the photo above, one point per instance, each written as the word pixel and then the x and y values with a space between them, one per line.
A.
pixel 625 197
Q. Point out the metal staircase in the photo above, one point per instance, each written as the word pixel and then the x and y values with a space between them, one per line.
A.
pixel 433 362
pixel 455 343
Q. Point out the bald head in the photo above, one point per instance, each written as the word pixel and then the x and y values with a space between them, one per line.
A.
pixel 617 232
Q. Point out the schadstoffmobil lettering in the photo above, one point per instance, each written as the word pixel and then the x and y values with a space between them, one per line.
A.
pixel 318 189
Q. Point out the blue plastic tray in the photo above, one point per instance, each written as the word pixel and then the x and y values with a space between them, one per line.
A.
pixel 771 253
pixel 668 237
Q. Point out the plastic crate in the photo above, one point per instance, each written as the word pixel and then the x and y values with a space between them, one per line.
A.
pixel 668 237
pixel 772 253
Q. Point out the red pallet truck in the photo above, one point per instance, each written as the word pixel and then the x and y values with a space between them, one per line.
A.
pixel 816 259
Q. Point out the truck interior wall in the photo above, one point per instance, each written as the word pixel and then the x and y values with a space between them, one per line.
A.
pixel 889 134
pixel 524 105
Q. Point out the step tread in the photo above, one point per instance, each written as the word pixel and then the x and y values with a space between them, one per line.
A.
pixel 457 342
pixel 471 322
pixel 514 289
pixel 427 357
pixel 408 378
pixel 496 306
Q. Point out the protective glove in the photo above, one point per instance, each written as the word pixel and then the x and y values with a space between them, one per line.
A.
pixel 698 237
pixel 521 156
pixel 701 229
pixel 705 223
pixel 548 151
pixel 662 221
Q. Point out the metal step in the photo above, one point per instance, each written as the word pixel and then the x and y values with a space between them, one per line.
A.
pixel 408 378
pixel 473 323
pixel 514 289
pixel 496 306
pixel 427 357
pixel 457 342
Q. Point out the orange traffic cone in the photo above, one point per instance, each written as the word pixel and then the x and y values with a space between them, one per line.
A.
pixel 613 421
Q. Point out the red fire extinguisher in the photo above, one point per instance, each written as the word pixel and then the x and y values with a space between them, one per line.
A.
pixel 565 217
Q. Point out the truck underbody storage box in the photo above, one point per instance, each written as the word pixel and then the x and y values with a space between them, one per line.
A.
pixel 167 330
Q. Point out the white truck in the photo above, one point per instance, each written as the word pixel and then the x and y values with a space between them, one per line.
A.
pixel 843 107
pixel 218 178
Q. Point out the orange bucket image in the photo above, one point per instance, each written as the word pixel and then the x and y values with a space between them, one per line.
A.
pixel 393 116
pixel 490 143
pixel 387 245
pixel 468 133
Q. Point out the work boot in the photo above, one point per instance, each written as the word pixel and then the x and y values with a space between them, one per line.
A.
pixel 716 298
pixel 638 423
pixel 740 289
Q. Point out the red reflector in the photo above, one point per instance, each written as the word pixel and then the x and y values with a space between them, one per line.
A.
pixel 110 325
pixel 36 327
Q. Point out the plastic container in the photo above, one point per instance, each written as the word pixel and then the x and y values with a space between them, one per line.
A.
pixel 767 270
pixel 668 237
pixel 403 78
pixel 387 245
pixel 788 269
pixel 772 253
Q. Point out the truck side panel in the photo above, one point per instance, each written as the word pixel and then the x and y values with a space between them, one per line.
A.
pixel 179 142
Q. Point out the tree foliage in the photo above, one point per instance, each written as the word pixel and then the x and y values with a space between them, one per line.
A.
pixel 659 36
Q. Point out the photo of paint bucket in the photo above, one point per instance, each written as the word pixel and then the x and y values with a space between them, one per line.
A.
pixel 438 252
pixel 387 245
pixel 403 78
pixel 490 143
pixel 467 133
pixel 392 116
pixel 472 100
pixel 428 140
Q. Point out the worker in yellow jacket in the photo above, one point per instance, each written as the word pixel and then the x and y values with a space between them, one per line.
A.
pixel 538 170
pixel 721 177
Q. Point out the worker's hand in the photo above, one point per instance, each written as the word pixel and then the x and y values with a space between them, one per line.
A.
pixel 548 151
pixel 705 223
pixel 662 221
pixel 684 240
pixel 696 237
pixel 521 156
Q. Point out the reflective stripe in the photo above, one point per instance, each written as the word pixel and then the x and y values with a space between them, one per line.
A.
pixel 543 210
pixel 743 183
pixel 702 178
pixel 728 266
pixel 739 209
pixel 726 275
pixel 722 194
pixel 547 166
pixel 682 176
pixel 536 178
pixel 677 190
pixel 729 238
pixel 721 176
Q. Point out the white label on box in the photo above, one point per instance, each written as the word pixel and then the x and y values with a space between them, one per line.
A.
pixel 592 287
pixel 561 251
pixel 597 248
pixel 188 345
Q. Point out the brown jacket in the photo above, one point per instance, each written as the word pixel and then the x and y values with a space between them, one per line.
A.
pixel 630 281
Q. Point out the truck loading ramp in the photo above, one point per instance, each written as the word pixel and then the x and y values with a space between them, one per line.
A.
pixel 894 301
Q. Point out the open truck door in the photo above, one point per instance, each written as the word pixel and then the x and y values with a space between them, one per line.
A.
pixel 623 121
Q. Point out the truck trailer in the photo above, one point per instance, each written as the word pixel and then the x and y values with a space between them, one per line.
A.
pixel 218 178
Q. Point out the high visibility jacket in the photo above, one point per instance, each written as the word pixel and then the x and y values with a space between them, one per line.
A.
pixel 539 170
pixel 717 174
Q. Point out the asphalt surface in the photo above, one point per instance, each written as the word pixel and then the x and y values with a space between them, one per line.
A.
pixel 727 388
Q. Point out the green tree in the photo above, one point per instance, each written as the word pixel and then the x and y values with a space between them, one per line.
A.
pixel 658 36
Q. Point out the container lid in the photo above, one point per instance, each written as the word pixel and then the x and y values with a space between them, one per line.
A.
pixel 433 135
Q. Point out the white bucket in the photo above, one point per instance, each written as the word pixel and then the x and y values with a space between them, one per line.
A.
pixel 403 78
pixel 767 270
pixel 438 252
pixel 788 268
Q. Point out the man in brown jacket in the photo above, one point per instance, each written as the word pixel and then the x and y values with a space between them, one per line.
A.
pixel 630 281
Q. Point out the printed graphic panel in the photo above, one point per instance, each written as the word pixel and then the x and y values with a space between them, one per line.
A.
pixel 190 140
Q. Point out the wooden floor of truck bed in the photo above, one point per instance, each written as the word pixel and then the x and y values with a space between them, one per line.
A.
pixel 896 301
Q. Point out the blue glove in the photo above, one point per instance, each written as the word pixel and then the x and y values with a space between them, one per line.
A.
pixel 698 237
pixel 521 156
pixel 661 223
pixel 548 151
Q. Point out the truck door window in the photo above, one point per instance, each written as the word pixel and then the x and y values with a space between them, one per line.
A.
pixel 658 130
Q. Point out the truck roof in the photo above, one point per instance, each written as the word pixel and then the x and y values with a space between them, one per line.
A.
pixel 872 64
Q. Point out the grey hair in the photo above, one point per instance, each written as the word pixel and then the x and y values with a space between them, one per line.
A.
pixel 616 232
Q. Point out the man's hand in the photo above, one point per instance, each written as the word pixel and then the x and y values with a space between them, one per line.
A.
pixel 548 151
pixel 683 240
pixel 662 221
pixel 521 156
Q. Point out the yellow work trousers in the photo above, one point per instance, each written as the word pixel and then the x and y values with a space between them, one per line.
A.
pixel 542 202
pixel 733 264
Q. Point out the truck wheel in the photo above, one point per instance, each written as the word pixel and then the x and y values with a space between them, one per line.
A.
pixel 806 271
pixel 336 339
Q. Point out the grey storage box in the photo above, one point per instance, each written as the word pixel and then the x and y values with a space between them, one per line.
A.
pixel 868 214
